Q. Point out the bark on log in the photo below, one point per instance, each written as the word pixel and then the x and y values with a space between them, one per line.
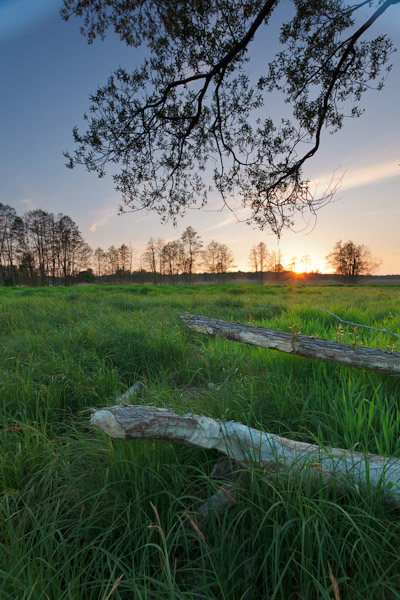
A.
pixel 302 345
pixel 245 444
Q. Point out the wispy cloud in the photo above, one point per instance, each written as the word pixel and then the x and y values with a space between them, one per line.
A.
pixel 231 218
pixel 360 175
pixel 371 174
pixel 104 216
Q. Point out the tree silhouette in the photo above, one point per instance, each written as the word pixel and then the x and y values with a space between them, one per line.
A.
pixel 194 104
pixel 352 260
pixel 259 258
pixel 192 245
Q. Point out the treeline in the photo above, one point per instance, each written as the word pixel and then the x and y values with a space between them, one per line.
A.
pixel 181 259
pixel 172 262
pixel 40 248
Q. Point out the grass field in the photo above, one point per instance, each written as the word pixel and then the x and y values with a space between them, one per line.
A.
pixel 76 505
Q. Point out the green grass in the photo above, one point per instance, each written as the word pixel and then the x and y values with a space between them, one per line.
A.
pixel 76 505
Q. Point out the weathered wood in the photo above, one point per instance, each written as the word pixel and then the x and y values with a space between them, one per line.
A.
pixel 302 345
pixel 244 444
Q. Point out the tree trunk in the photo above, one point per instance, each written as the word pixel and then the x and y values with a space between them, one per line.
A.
pixel 309 347
pixel 244 444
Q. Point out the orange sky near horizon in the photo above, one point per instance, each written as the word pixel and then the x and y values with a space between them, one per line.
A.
pixel 48 72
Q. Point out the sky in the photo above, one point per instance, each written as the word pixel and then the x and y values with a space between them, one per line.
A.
pixel 47 71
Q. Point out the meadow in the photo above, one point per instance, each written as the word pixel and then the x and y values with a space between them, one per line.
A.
pixel 76 518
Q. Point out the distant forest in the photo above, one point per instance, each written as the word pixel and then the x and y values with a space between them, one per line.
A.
pixel 43 249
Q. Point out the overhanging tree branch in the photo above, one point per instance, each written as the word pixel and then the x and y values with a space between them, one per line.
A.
pixel 339 71
pixel 194 98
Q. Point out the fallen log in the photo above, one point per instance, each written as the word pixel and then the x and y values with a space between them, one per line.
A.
pixel 302 345
pixel 244 444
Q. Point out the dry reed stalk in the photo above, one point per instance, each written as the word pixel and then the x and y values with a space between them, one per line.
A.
pixel 114 587
pixel 334 583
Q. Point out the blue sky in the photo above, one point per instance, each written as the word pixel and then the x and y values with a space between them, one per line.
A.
pixel 47 72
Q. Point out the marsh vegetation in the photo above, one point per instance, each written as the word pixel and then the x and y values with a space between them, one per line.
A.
pixel 76 506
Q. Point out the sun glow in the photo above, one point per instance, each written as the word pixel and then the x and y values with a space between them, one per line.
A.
pixel 306 264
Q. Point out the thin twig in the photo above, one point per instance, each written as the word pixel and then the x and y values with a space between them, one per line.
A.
pixel 357 324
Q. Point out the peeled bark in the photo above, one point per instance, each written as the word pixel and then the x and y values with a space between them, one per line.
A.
pixel 302 345
pixel 244 444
